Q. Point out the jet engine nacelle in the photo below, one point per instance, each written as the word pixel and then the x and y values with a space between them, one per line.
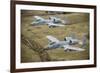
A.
pixel 55 20
pixel 70 40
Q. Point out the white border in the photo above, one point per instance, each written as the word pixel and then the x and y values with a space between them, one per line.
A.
pixel 20 65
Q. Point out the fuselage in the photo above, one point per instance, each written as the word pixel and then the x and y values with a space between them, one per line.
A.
pixel 46 21
pixel 60 44
pixel 41 22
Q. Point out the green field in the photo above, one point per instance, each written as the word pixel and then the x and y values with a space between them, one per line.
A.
pixel 78 24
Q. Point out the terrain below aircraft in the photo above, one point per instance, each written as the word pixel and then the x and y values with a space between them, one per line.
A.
pixel 51 22
pixel 66 44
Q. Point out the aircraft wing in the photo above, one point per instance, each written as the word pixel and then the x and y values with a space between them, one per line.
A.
pixel 53 24
pixel 72 48
pixel 52 39
pixel 52 17
pixel 38 18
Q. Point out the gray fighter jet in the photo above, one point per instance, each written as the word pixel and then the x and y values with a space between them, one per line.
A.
pixel 51 22
pixel 67 44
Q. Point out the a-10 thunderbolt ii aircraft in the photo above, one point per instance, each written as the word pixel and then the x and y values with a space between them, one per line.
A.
pixel 51 22
pixel 67 44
